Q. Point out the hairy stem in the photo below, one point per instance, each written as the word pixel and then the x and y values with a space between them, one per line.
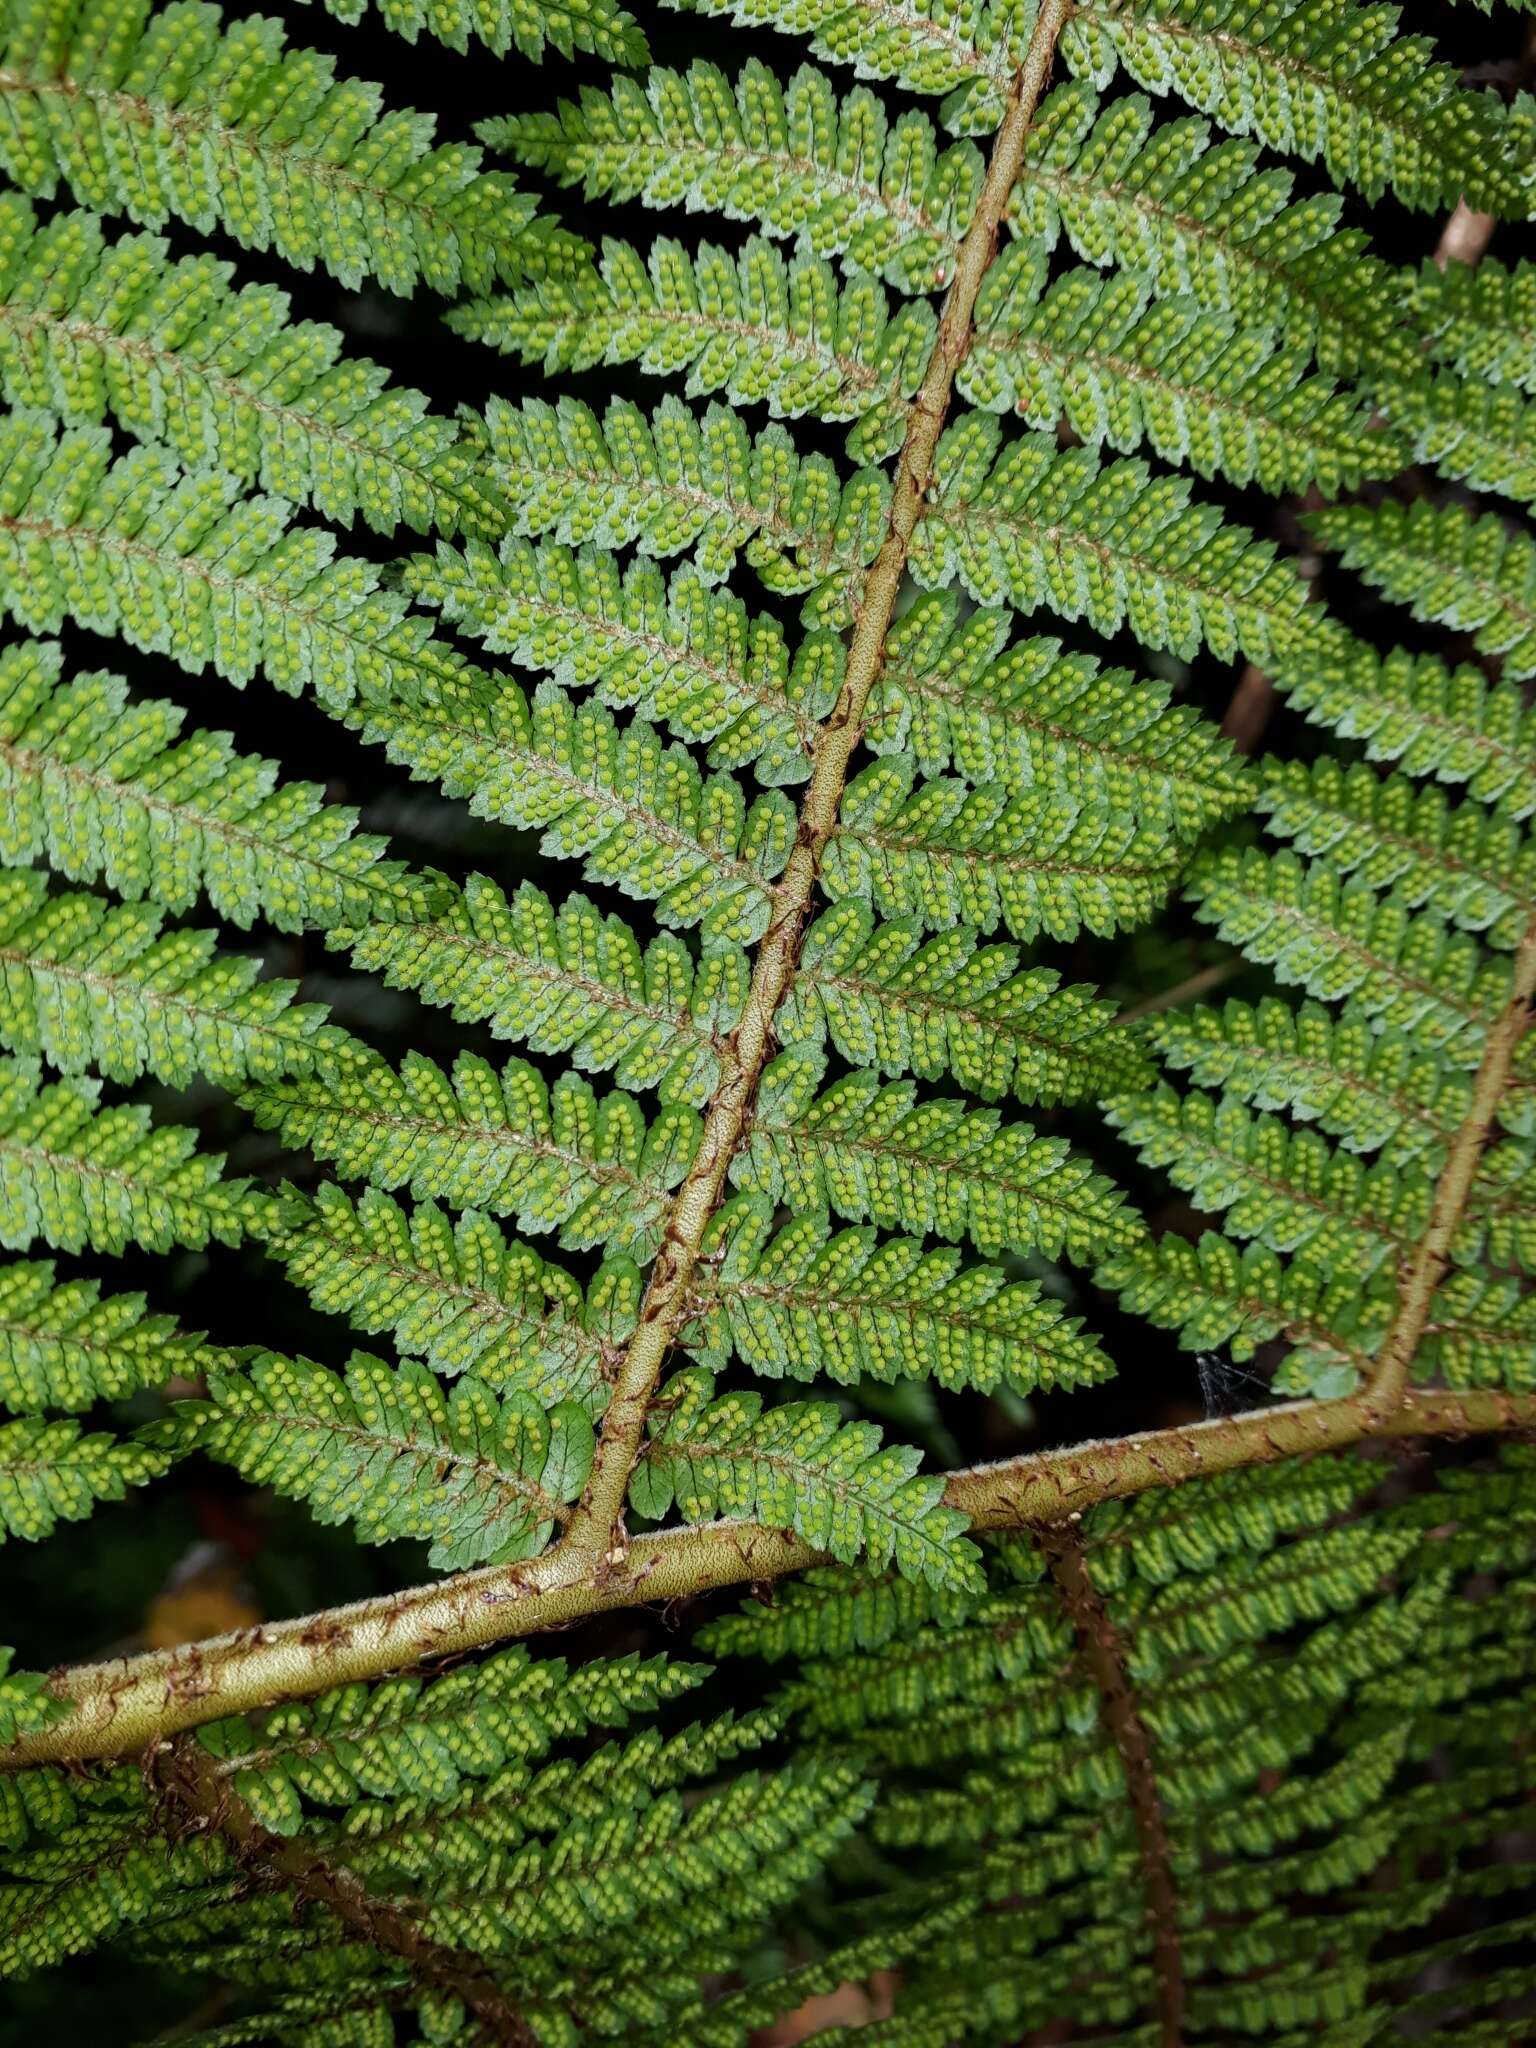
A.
pixel 116 1708
pixel 1099 1648
pixel 594 1532
pixel 1431 1257
pixel 196 1797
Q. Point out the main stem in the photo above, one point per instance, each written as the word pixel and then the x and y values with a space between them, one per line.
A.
pixel 596 1529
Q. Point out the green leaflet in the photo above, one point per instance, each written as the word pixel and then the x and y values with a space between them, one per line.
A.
pixel 1026 525
pixel 956 695
pixel 176 355
pixel 1340 938
pixel 758 328
pixel 130 546
pixel 809 1300
pixel 1228 401
pixel 482 1477
pixel 1485 438
pixel 1369 103
pixel 943 854
pixel 75 1175
pixel 425 1741
pixel 800 1467
pixel 163 88
pixel 674 482
pixel 554 1158
pixel 875 1152
pixel 88 984
pixel 836 177
pixel 105 788
pixel 1445 565
pixel 635 810
pixel 458 1294
pixel 1481 319
pixel 51 1473
pixel 683 654
pixel 502 25
pixel 63 1346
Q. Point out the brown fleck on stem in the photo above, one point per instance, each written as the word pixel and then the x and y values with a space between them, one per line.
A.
pixel 195 1797
pixel 1431 1258
pixel 594 1531
pixel 1099 1647
pixel 117 1708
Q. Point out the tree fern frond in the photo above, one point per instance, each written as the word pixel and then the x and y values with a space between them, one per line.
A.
pixel 526 26
pixel 675 649
pixel 636 811
pixel 954 694
pixel 897 1003
pixel 225 128
pixel 809 1300
pixel 1475 868
pixel 941 854
pixel 1481 319
pixel 87 984
pixel 63 1346
pixel 51 1473
pixel 185 566
pixel 752 326
pixel 72 1174
pixel 801 1467
pixel 459 1294
pixel 1486 439
pixel 1027 525
pixel 876 1153
pixel 483 1477
pixel 175 354
pixel 674 482
pixel 554 1158
pixel 105 789
pixel 1336 938
pixel 1304 78
pixel 1448 565
pixel 1228 401
pixel 839 178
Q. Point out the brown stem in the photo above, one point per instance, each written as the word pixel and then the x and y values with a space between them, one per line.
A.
pixel 595 1530
pixel 195 1797
pixel 1099 1647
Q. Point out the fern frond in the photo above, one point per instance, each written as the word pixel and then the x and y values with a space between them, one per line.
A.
pixel 87 984
pixel 942 854
pixel 674 482
pixel 51 1473
pixel 1447 565
pixel 799 1467
pixel 681 653
pixel 1227 401
pixel 458 1294
pixel 1307 79
pixel 63 1346
pixel 636 811
pixel 1475 868
pixel 807 1301
pixel 176 355
pixel 1340 938
pixel 483 1477
pixel 894 1002
pixel 1027 525
pixel 554 1158
pixel 187 567
pixel 876 1153
pixel 1486 439
pixel 752 326
pixel 839 178
pixel 106 789
pixel 527 26
pixel 1481 319
pixel 1030 716
pixel 75 1175
pixel 225 128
